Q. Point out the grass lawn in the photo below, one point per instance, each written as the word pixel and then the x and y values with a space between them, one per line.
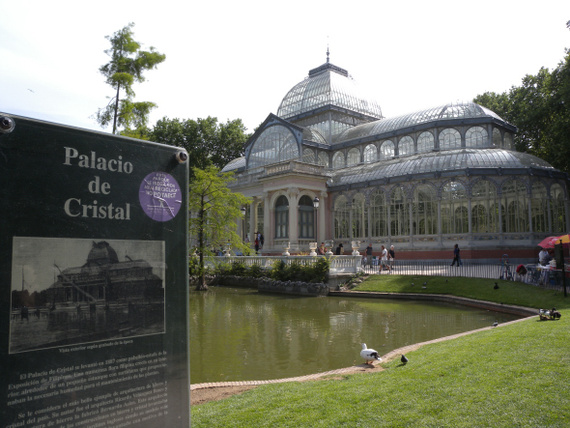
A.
pixel 515 375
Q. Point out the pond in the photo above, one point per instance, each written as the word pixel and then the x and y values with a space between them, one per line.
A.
pixel 240 334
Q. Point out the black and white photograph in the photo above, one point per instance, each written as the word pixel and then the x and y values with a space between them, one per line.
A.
pixel 68 291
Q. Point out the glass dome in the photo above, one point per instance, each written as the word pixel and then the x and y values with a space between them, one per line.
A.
pixel 468 110
pixel 452 160
pixel 327 85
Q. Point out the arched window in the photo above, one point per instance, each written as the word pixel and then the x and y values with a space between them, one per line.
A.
pixel 497 139
pixel 370 153
pixel 484 213
pixel 309 156
pixel 341 218
pixel 449 139
pixel 379 214
pixel 306 218
pixel 281 217
pixel 387 150
pixel 338 160
pixel 539 207
pixel 509 141
pixel 425 142
pixel 424 210
pixel 557 197
pixel 324 159
pixel 476 136
pixel 259 218
pixel 275 144
pixel 353 157
pixel 359 217
pixel 514 199
pixel 399 213
pixel 406 146
pixel 454 214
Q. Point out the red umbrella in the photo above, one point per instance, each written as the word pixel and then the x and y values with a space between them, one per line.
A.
pixel 549 242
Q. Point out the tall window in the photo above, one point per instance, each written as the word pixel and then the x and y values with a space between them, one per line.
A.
pixel 306 218
pixel 309 156
pixel 259 223
pixel 497 139
pixel 370 153
pixel 514 199
pixel 539 207
pixel 406 146
pixel 484 208
pixel 379 213
pixel 425 142
pixel 341 218
pixel 353 157
pixel 387 150
pixel 449 139
pixel 359 217
pixel 424 210
pixel 454 213
pixel 476 136
pixel 324 159
pixel 508 141
pixel 557 196
pixel 282 217
pixel 338 160
pixel 399 213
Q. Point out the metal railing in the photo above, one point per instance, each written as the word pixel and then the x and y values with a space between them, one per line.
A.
pixel 340 265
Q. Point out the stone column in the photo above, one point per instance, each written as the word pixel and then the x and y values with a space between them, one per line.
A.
pixel 293 196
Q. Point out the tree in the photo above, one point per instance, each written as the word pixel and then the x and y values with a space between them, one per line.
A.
pixel 207 142
pixel 128 62
pixel 540 109
pixel 214 209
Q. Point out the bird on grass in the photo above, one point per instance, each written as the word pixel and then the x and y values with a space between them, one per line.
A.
pixel 369 354
pixel 496 286
pixel 404 359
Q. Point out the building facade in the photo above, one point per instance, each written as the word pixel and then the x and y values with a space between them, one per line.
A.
pixel 421 182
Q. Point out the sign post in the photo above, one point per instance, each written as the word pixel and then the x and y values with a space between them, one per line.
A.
pixel 93 279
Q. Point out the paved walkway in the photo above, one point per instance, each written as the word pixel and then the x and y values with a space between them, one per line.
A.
pixel 354 369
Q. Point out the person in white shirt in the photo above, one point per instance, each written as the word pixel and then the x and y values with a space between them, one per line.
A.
pixel 385 258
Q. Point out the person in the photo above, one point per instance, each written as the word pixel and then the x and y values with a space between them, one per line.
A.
pixel 369 255
pixel 256 242
pixel 456 256
pixel 384 262
pixel 391 256
pixel 321 249
pixel 543 257
pixel 339 250
pixel 261 240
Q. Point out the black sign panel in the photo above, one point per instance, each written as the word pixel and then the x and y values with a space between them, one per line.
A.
pixel 93 279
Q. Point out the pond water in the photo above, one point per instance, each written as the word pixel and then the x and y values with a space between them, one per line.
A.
pixel 240 334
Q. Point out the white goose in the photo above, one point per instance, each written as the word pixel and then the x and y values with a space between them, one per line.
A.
pixel 369 354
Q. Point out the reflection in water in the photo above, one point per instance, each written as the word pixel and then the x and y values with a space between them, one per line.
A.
pixel 238 334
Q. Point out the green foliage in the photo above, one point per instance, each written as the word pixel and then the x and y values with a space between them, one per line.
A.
pixel 540 109
pixel 317 272
pixel 127 65
pixel 207 142
pixel 214 209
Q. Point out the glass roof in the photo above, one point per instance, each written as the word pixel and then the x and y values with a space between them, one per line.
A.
pixel 327 85
pixel 449 111
pixel 234 164
pixel 438 161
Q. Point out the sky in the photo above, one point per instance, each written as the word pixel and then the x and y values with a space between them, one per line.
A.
pixel 237 60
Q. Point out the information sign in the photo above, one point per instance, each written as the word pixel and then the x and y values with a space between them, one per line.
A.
pixel 93 279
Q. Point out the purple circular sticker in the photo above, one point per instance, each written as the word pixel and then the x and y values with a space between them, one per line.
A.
pixel 160 196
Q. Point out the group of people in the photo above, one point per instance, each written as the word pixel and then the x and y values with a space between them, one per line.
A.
pixel 387 257
pixel 258 242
